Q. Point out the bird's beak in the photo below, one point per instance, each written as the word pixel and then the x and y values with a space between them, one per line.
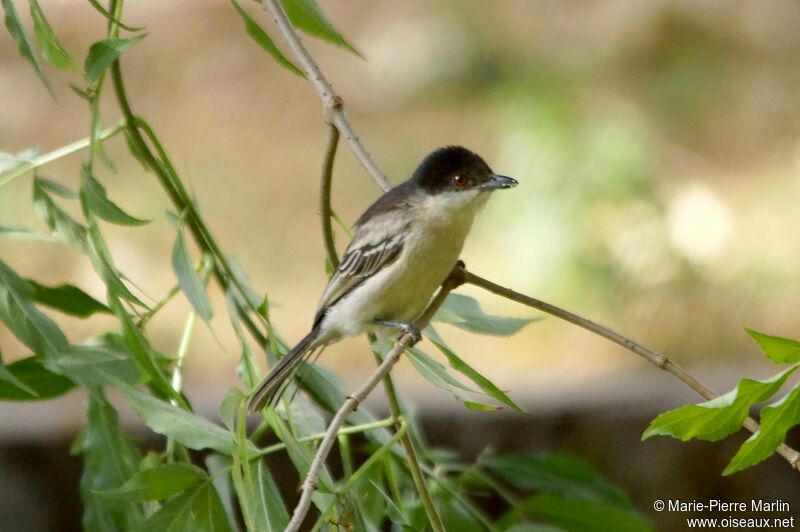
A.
pixel 497 182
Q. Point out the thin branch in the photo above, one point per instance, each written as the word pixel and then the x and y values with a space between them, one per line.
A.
pixel 325 211
pixel 657 359
pixel 333 105
pixel 455 279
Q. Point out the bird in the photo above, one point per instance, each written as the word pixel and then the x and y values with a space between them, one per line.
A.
pixel 403 247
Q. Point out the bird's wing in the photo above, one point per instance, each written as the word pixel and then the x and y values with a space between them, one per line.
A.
pixel 371 250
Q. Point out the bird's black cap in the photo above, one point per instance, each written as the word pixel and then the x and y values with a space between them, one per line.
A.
pixel 437 170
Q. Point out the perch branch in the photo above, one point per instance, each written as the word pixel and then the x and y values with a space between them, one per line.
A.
pixel 657 359
pixel 455 279
pixel 325 211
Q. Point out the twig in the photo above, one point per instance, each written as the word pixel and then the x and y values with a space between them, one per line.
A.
pixel 657 359
pixel 325 210
pixel 333 105
pixel 47 158
pixel 455 279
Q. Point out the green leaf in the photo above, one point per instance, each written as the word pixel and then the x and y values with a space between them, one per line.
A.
pixel 52 50
pixel 571 514
pixel 308 17
pixel 554 473
pixel 56 188
pixel 208 511
pixel 144 355
pixel 25 321
pixel 102 262
pixel 488 387
pixel 776 420
pixel 268 509
pixel 715 419
pixel 779 350
pixel 437 375
pixel 184 427
pixel 109 461
pixel 20 233
pixel 189 281
pixel 100 205
pixel 158 483
pixel 100 9
pixel 8 377
pixel 229 407
pixel 28 380
pixel 102 360
pixel 17 32
pixel 175 515
pixel 67 298
pixel 102 54
pixel 60 223
pixel 261 38
pixel 466 313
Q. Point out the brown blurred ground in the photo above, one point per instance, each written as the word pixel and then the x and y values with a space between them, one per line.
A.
pixel 656 144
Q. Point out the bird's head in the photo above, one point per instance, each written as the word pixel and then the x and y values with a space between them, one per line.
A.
pixel 455 169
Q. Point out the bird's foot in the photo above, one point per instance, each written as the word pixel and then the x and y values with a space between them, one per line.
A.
pixel 407 328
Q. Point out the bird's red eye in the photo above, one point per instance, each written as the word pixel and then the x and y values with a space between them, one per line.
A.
pixel 459 180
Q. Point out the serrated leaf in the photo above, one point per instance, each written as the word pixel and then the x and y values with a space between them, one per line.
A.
pixel 487 386
pixel 777 349
pixel 158 483
pixel 571 514
pixel 554 473
pixel 102 54
pixel 25 321
pixel 17 32
pixel 184 427
pixel 715 419
pixel 67 298
pixel 261 38
pixel 52 50
pixel 98 202
pixel 466 313
pixel 208 511
pixel 307 16
pixel 28 380
pixel 190 283
pixel 102 360
pixel 776 420
pixel 175 515
pixel 109 461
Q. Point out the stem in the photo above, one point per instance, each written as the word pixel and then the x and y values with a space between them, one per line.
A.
pixel 333 105
pixel 657 359
pixel 355 429
pixel 64 151
pixel 325 210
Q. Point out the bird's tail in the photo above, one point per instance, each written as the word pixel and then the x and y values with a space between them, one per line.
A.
pixel 268 389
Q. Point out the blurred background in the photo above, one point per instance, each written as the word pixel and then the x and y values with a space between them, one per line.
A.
pixel 657 146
